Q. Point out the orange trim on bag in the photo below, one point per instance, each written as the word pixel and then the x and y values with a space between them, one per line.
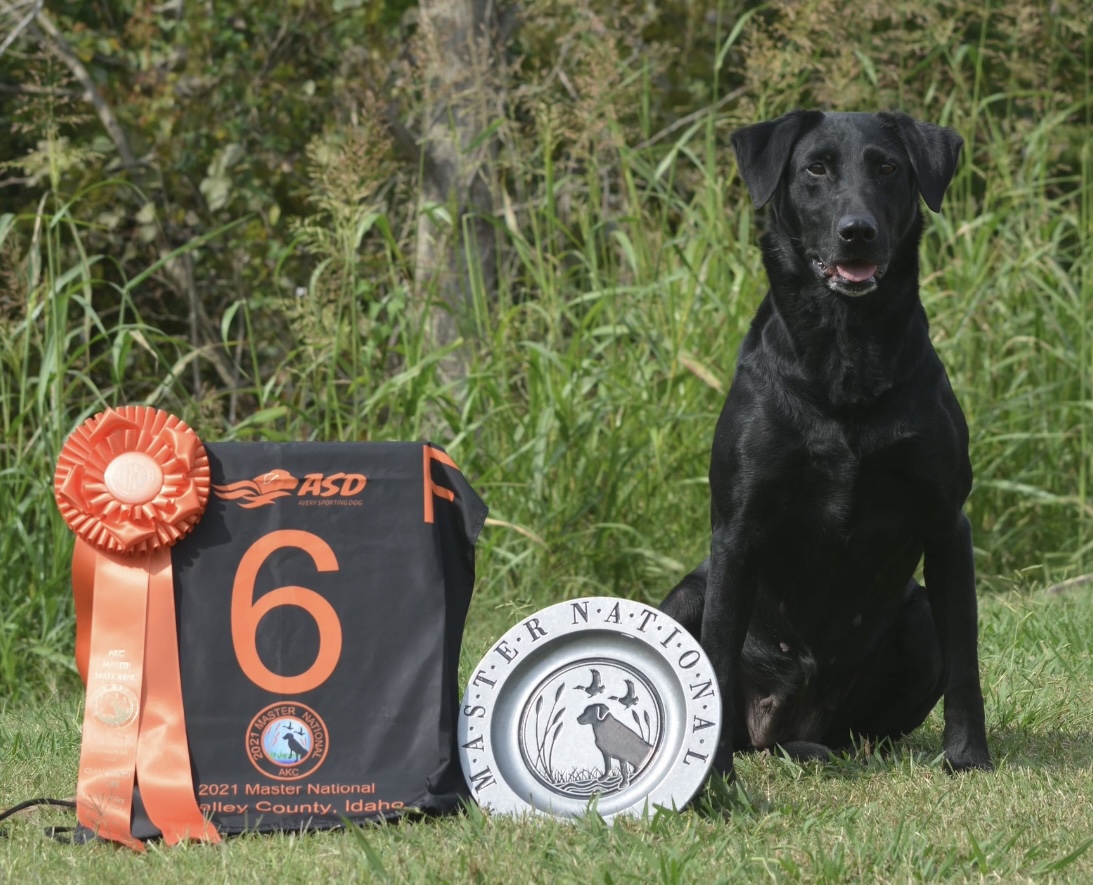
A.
pixel 130 482
pixel 432 490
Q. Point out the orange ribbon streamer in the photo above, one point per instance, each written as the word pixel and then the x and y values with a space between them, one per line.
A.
pixel 130 482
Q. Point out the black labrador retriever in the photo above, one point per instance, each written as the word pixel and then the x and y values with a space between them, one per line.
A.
pixel 840 460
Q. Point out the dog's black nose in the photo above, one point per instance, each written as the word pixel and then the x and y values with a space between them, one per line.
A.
pixel 857 228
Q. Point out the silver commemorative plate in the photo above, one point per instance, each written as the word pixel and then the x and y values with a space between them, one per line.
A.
pixel 596 700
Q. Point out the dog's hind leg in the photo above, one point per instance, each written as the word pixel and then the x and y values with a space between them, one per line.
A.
pixel 688 599
pixel 900 682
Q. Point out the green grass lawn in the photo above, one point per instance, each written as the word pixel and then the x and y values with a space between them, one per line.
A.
pixel 873 818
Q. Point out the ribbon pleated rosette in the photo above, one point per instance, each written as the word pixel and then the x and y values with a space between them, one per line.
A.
pixel 130 482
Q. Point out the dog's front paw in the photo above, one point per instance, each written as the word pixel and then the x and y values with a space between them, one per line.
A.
pixel 968 759
pixel 965 744
pixel 805 751
pixel 722 765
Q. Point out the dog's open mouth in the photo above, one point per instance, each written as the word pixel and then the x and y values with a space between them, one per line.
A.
pixel 854 276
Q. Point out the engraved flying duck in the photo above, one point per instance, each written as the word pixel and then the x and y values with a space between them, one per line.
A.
pixel 629 699
pixel 595 687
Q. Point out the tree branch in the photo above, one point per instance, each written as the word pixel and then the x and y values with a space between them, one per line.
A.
pixel 35 8
pixel 12 89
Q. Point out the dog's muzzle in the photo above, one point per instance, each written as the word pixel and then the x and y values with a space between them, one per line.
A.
pixel 849 277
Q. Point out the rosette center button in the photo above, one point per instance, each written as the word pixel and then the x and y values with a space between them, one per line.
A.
pixel 133 478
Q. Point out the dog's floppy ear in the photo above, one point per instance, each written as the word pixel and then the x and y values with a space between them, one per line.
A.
pixel 763 149
pixel 934 152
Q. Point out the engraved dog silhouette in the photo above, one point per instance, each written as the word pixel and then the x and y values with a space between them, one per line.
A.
pixel 616 741
pixel 294 746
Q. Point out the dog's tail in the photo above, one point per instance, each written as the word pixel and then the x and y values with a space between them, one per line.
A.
pixel 687 600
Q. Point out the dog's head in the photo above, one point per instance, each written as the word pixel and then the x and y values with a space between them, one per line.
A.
pixel 844 188
pixel 592 714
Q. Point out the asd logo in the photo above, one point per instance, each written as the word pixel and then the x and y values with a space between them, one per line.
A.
pixel 315 487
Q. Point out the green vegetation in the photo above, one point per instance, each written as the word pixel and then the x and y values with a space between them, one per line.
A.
pixel 244 255
pixel 590 376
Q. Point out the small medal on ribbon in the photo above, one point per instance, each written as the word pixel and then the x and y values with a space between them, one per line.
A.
pixel 130 482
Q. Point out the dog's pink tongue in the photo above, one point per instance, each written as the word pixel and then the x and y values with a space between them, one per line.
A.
pixel 856 273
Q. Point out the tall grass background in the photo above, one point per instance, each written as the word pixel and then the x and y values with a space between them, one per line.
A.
pixel 594 376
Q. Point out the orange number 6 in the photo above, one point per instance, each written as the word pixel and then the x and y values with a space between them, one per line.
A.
pixel 246 613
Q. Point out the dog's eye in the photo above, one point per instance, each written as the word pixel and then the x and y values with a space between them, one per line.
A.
pixel 817 169
pixel 886 168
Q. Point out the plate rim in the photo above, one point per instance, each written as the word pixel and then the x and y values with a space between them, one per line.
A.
pixel 490 779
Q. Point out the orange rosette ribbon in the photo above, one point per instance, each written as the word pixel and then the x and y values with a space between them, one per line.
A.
pixel 130 482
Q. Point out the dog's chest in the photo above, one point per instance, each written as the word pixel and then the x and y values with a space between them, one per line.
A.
pixel 849 483
pixel 850 525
